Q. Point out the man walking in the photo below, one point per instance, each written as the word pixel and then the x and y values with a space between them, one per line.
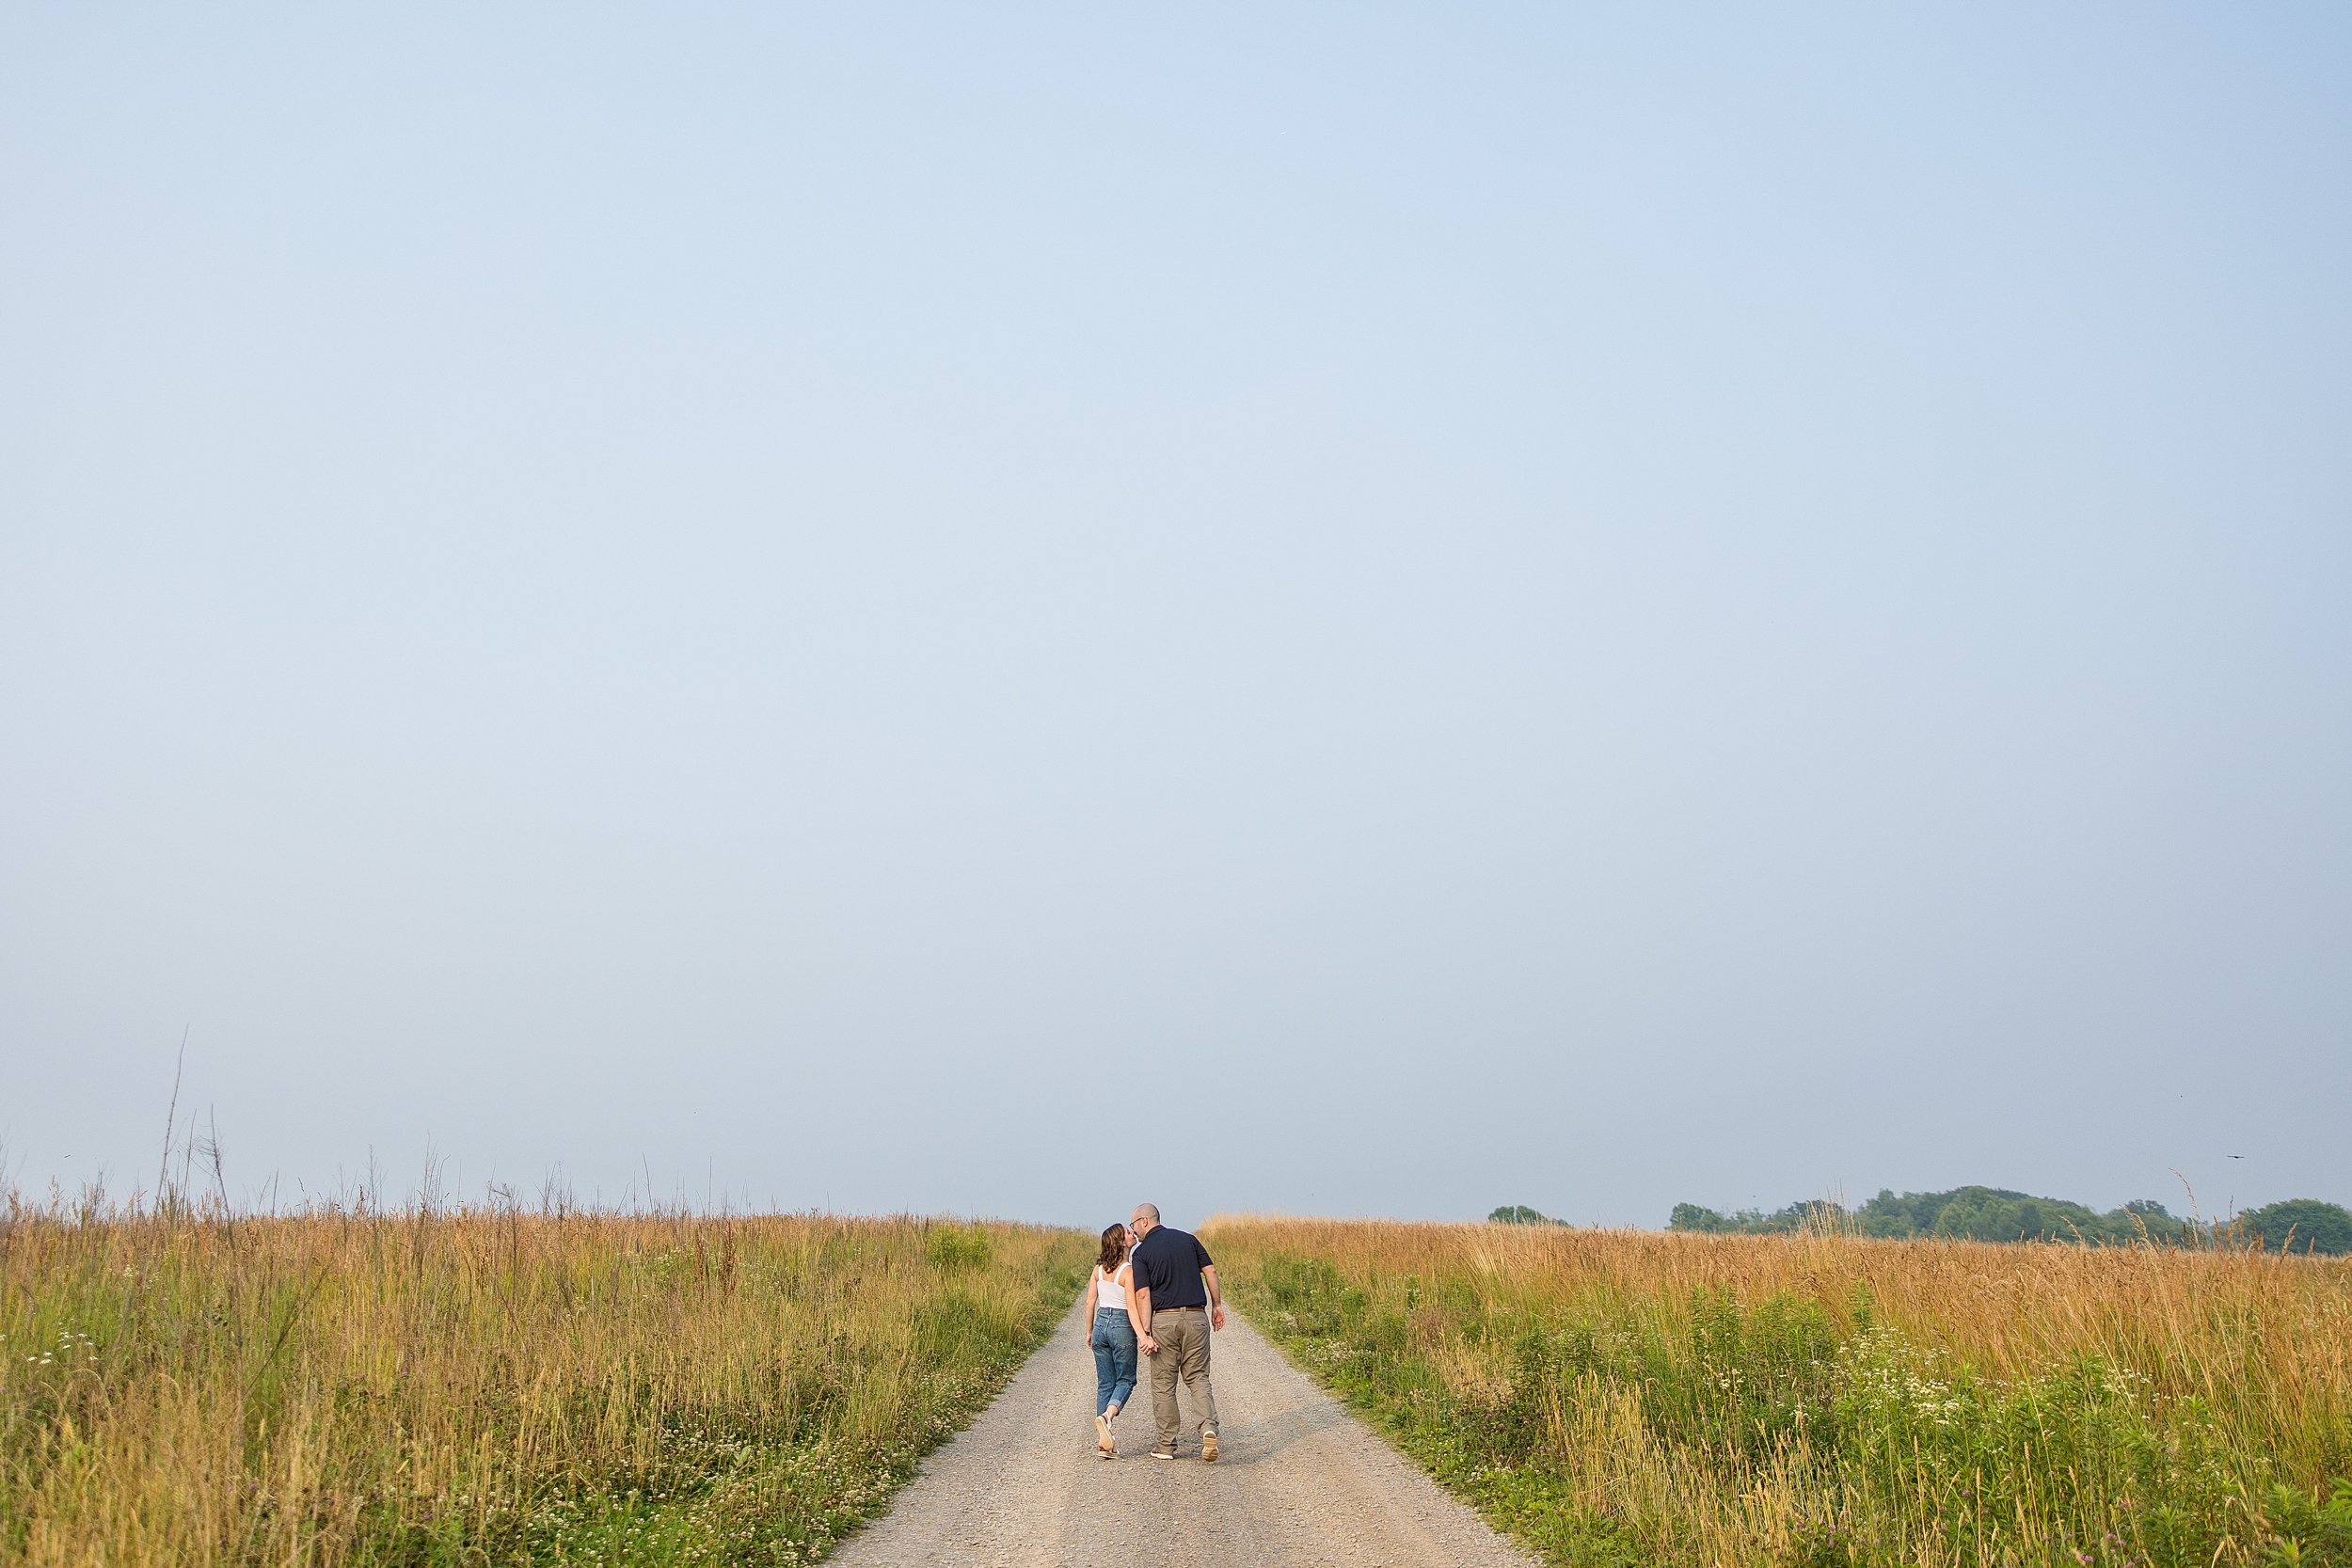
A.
pixel 1175 1303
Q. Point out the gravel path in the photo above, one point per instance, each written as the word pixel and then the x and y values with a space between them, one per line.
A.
pixel 1297 1483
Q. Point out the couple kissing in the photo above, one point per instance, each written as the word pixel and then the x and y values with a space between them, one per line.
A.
pixel 1153 1291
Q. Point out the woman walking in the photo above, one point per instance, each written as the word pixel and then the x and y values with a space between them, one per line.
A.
pixel 1110 1335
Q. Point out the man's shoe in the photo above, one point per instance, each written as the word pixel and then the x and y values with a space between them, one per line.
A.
pixel 1166 1451
pixel 1208 1448
pixel 1104 1442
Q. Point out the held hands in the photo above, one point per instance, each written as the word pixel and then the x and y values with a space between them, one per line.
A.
pixel 1149 1345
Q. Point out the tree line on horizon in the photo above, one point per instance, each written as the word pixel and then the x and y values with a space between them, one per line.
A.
pixel 1976 1214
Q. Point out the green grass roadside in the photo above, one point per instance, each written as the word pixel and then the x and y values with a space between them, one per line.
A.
pixel 1612 1402
pixel 420 1391
pixel 721 1497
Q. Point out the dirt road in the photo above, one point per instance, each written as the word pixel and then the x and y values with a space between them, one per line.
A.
pixel 1299 1483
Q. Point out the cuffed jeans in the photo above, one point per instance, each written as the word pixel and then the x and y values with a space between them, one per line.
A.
pixel 1182 1332
pixel 1114 1341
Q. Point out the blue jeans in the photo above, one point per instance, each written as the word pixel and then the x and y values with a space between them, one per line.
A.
pixel 1114 1342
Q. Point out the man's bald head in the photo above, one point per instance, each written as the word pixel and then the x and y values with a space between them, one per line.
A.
pixel 1144 1218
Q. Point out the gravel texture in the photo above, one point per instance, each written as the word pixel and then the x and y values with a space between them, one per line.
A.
pixel 1297 1483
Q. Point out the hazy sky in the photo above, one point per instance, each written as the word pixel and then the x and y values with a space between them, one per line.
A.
pixel 1361 609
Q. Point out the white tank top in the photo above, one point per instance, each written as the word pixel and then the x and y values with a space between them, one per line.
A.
pixel 1108 1291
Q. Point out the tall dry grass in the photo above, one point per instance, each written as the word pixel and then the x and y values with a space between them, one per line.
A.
pixel 420 1387
pixel 1635 1397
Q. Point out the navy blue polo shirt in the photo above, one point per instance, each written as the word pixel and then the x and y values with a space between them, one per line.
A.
pixel 1167 1263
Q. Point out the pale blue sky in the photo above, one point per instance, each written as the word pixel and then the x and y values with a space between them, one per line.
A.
pixel 1368 609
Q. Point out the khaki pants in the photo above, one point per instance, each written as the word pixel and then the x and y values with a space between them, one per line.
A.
pixel 1182 1332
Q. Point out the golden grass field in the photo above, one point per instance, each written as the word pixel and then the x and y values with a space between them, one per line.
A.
pixel 358 1387
pixel 1624 1397
pixel 367 1387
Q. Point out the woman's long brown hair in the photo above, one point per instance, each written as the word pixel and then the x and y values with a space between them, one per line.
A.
pixel 1114 1248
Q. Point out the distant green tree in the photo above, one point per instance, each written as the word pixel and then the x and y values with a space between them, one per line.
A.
pixel 1964 1213
pixel 1756 1222
pixel 1518 1214
pixel 1818 1214
pixel 2301 1224
pixel 2145 1216
pixel 1999 1214
pixel 1991 1214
